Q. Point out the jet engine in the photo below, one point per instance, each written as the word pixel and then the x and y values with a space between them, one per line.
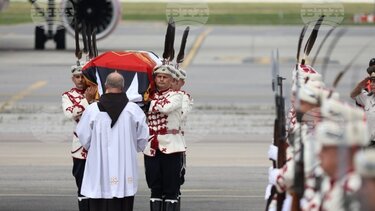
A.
pixel 102 15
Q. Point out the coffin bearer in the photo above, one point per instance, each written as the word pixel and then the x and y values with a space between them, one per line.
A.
pixel 340 141
pixel 187 105
pixel 74 103
pixel 163 153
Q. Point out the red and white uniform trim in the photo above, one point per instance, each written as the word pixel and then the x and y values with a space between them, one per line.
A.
pixel 334 193
pixel 164 122
pixel 187 106
pixel 73 105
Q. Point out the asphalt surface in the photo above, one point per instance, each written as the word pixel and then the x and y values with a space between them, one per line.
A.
pixel 229 130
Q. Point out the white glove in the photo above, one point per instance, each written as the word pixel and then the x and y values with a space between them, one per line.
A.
pixel 272 175
pixel 268 192
pixel 287 205
pixel 273 205
pixel 272 152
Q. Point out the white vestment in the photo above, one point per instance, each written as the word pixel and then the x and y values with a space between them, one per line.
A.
pixel 111 166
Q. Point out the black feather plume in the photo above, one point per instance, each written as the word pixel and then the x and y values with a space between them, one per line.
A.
pixel 171 41
pixel 301 36
pixel 89 42
pixel 314 34
pixel 95 48
pixel 168 35
pixel 78 51
pixel 181 54
pixel 321 44
pixel 84 37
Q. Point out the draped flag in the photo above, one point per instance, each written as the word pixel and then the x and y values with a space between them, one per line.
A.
pixel 135 66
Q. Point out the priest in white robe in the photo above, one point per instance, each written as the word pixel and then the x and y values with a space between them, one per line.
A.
pixel 112 130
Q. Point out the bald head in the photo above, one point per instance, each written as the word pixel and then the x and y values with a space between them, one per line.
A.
pixel 114 83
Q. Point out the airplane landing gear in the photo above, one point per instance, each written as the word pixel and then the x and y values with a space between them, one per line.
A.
pixel 60 38
pixel 43 33
pixel 41 38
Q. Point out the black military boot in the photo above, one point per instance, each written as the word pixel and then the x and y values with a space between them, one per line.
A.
pixel 179 204
pixel 83 204
pixel 170 205
pixel 155 204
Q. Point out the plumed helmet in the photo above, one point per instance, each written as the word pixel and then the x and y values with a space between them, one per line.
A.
pixel 182 74
pixel 336 110
pixel 305 73
pixel 166 69
pixel 332 133
pixel 311 92
pixel 77 68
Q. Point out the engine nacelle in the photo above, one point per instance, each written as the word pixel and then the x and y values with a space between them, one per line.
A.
pixel 103 15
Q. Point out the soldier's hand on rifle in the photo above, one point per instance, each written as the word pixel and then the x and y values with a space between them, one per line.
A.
pixel 272 175
pixel 272 152
pixel 268 191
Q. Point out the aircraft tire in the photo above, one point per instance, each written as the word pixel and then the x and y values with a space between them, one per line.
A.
pixel 40 38
pixel 60 38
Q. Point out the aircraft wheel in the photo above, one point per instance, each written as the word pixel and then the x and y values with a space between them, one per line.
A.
pixel 60 38
pixel 40 38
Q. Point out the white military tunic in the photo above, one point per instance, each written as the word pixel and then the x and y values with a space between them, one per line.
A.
pixel 187 106
pixel 73 104
pixel 164 121
pixel 111 167
pixel 368 102
pixel 341 194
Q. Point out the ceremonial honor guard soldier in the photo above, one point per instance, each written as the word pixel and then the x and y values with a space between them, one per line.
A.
pixel 309 98
pixel 74 103
pixel 366 99
pixel 163 153
pixel 187 106
pixel 339 143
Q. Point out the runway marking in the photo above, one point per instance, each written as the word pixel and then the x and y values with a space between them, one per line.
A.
pixel 193 51
pixel 22 94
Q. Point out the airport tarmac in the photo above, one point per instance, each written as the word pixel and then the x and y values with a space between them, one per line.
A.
pixel 229 129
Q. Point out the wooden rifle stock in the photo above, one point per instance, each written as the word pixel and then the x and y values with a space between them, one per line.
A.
pixel 279 141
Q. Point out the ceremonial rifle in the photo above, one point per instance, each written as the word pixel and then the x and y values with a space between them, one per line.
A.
pixel 279 136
